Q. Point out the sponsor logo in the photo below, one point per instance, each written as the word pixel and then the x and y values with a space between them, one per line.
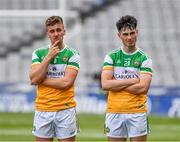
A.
pixel 121 73
pixel 54 71
pixel 55 74
pixel 126 74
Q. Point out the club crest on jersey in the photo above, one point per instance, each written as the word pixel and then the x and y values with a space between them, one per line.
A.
pixel 65 59
pixel 136 63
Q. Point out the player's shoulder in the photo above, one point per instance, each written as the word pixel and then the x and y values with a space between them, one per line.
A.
pixel 113 52
pixel 42 48
pixel 71 50
pixel 143 53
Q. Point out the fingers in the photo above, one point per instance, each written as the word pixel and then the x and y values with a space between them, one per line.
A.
pixel 53 51
pixel 55 43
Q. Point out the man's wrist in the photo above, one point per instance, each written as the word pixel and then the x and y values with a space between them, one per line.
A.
pixel 47 58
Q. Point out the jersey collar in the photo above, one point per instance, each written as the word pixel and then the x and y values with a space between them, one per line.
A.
pixel 129 53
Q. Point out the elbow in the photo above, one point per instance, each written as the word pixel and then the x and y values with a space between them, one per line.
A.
pixel 66 86
pixel 34 82
pixel 142 90
pixel 105 87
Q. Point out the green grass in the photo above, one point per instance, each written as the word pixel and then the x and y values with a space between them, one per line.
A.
pixel 17 127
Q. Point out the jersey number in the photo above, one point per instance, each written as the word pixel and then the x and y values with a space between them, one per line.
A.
pixel 127 62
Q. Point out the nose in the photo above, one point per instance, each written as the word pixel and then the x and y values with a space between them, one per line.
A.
pixel 129 36
pixel 55 33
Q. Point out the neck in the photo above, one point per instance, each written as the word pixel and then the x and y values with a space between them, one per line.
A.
pixel 61 46
pixel 129 49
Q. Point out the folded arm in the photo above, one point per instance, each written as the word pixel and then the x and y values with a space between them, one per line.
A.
pixel 142 86
pixel 38 71
pixel 108 83
pixel 62 83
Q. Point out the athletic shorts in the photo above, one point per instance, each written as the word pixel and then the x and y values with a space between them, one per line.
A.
pixel 61 124
pixel 126 125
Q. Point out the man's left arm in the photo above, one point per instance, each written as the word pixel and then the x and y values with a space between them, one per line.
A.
pixel 142 87
pixel 70 75
pixel 62 83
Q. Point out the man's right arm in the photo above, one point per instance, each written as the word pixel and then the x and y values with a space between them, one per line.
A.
pixel 110 84
pixel 38 71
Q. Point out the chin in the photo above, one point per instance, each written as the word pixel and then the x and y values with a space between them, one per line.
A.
pixel 131 45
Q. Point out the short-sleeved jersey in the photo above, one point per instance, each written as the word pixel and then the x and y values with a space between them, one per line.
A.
pixel 50 99
pixel 125 66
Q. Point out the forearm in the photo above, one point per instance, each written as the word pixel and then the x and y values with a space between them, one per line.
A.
pixel 57 83
pixel 39 72
pixel 118 85
pixel 137 89
pixel 64 82
pixel 141 87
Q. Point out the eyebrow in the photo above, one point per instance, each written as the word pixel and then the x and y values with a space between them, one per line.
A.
pixel 129 33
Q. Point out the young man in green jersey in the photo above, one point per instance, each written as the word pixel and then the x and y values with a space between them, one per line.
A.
pixel 54 70
pixel 126 75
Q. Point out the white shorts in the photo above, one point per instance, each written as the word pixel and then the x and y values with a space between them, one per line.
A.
pixel 126 125
pixel 61 124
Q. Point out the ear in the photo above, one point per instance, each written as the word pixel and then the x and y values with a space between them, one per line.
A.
pixel 47 34
pixel 137 31
pixel 119 34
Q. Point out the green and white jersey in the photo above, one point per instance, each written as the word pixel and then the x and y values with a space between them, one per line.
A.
pixel 127 65
pixel 52 99
pixel 67 57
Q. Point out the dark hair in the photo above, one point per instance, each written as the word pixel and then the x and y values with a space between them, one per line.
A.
pixel 126 22
pixel 53 20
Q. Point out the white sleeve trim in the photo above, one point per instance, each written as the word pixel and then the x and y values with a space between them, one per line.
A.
pixel 108 59
pixel 147 64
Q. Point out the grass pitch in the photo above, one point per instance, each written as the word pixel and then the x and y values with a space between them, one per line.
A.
pixel 18 126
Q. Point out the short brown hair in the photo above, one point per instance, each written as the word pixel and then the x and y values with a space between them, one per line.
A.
pixel 53 20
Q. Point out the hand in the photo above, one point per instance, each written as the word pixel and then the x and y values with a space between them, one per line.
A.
pixel 54 50
pixel 135 80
